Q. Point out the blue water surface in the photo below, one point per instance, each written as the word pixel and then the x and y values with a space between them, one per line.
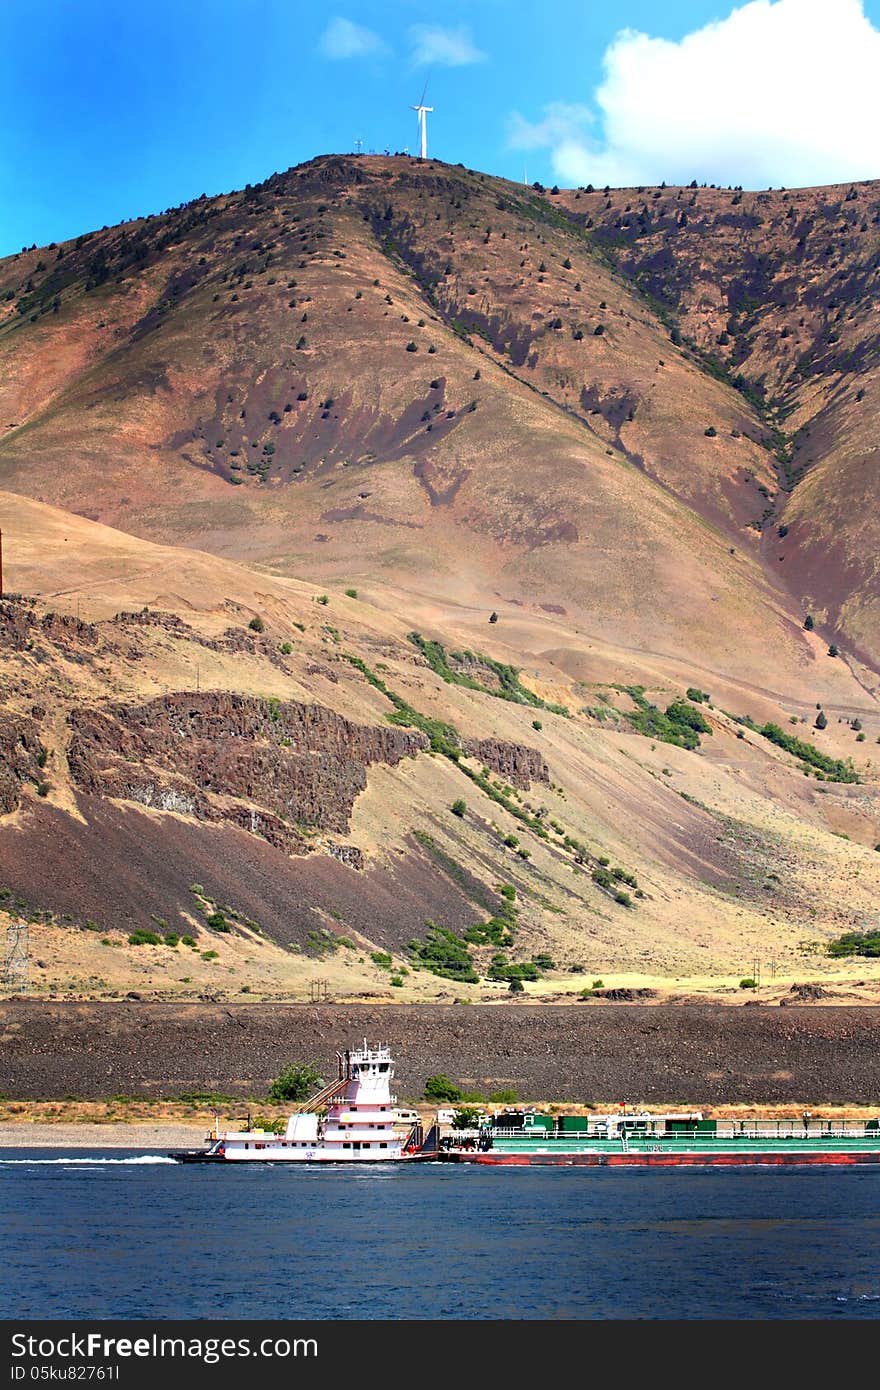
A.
pixel 132 1235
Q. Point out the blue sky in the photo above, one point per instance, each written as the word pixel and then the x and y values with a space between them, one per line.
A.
pixel 109 111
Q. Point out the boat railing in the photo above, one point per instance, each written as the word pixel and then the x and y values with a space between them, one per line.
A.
pixel 735 1131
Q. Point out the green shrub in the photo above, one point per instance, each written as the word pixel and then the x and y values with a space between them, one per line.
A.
pixel 680 724
pixel 832 769
pixel 285 649
pixel 465 1118
pixel 856 943
pixel 172 939
pixel 380 958
pixel 142 937
pixel 459 807
pixel 295 1082
pixel 351 593
pixel 748 983
pixel 188 940
pixel 256 624
pixel 217 921
pixel 210 955
pixel 495 932
pixel 439 1087
pixel 445 954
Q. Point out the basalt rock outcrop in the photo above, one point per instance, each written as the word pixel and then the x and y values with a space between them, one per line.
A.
pixel 515 762
pixel 21 628
pixel 203 755
pixel 20 748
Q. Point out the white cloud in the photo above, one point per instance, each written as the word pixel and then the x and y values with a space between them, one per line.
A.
pixel 342 39
pixel 451 48
pixel 563 121
pixel 779 92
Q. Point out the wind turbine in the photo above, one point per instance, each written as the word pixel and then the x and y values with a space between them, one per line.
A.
pixel 422 110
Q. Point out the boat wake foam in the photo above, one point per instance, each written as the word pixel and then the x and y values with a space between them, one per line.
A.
pixel 89 1162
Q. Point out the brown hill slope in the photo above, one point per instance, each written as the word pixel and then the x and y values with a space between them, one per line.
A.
pixel 777 291
pixel 182 737
pixel 377 368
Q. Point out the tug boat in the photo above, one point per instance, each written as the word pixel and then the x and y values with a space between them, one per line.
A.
pixel 358 1126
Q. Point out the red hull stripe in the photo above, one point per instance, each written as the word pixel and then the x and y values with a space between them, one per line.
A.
pixel 664 1160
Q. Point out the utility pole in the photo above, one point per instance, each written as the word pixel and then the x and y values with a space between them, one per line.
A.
pixel 1 564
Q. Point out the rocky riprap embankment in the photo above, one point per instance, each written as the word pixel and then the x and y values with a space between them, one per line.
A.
pixel 693 1054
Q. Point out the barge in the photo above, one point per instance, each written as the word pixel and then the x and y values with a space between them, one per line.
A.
pixel 665 1141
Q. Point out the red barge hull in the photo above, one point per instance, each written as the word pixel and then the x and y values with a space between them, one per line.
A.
pixel 653 1160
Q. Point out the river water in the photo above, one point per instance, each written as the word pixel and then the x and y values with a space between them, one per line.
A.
pixel 133 1235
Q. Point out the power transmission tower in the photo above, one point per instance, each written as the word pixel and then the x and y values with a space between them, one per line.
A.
pixel 16 958
pixel 319 991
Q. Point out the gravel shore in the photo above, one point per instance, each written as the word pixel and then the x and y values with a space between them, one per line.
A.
pixel 153 1138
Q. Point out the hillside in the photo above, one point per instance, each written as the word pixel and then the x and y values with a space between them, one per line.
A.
pixel 289 375
pixel 777 292
pixel 385 488
pixel 184 737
